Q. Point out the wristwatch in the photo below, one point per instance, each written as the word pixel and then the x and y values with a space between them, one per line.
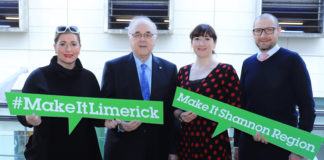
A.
pixel 119 129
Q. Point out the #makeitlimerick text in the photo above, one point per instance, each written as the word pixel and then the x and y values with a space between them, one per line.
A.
pixel 83 108
pixel 76 108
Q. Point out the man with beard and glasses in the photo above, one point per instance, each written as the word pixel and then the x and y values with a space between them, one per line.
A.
pixel 274 82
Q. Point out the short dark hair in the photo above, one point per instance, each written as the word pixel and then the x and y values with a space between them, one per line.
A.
pixel 203 30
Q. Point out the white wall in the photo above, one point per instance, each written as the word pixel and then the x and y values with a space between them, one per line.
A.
pixel 232 20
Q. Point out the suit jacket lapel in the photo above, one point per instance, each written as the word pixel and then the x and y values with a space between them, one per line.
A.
pixel 156 69
pixel 132 77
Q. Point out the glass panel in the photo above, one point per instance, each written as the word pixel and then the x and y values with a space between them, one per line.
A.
pixel 319 103
pixel 101 134
pixel 13 137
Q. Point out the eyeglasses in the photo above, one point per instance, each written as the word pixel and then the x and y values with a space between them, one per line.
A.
pixel 139 35
pixel 63 29
pixel 268 30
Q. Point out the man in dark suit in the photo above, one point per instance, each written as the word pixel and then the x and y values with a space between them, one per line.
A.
pixel 141 76
pixel 274 81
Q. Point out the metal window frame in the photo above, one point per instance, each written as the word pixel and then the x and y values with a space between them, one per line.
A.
pixel 23 18
pixel 296 35
pixel 124 31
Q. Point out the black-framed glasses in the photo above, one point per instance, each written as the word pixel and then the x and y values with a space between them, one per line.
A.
pixel 268 30
pixel 63 29
pixel 145 35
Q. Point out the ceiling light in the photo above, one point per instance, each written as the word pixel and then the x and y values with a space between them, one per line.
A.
pixel 12 17
pixel 123 20
pixel 291 23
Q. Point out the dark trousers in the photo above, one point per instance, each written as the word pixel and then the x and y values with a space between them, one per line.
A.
pixel 251 150
pixel 140 145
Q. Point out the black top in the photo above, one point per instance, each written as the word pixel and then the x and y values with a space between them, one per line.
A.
pixel 51 139
pixel 273 88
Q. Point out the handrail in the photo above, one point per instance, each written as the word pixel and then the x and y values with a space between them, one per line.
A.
pixel 319 112
pixel 3 105
pixel 318 127
pixel 8 118
pixel 14 118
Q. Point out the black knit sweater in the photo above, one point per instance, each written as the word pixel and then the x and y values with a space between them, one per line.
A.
pixel 51 139
pixel 274 88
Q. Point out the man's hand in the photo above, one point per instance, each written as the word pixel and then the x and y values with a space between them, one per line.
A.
pixel 259 138
pixel 129 126
pixel 110 124
pixel 236 150
pixel 173 157
pixel 188 116
pixel 294 156
pixel 34 120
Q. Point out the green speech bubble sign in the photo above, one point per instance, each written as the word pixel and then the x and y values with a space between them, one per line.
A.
pixel 76 108
pixel 279 134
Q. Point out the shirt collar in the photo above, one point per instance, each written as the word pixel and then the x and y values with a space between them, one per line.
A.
pixel 148 62
pixel 272 51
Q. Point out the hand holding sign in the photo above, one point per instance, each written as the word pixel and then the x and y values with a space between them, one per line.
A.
pixel 294 156
pixel 111 124
pixel 188 116
pixel 130 126
pixel 126 126
pixel 259 138
pixel 34 120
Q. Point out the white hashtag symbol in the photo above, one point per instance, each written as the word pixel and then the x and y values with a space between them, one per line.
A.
pixel 17 102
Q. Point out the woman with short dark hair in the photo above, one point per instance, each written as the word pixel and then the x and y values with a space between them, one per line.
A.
pixel 212 79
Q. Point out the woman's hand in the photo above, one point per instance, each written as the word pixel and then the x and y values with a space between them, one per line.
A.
pixel 34 120
pixel 187 116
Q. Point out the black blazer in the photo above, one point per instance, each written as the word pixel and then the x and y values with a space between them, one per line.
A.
pixel 120 80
